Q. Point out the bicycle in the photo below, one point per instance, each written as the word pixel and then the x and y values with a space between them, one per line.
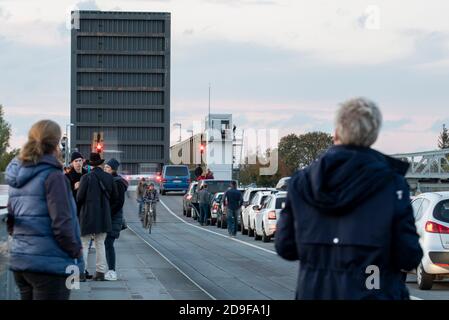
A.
pixel 148 217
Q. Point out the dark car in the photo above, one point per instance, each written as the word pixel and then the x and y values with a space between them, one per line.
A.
pixel 187 199
pixel 213 186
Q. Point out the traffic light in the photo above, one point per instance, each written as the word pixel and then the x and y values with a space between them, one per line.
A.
pixel 99 148
pixel 98 143
pixel 202 148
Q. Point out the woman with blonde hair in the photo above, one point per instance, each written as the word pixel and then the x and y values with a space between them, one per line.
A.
pixel 46 243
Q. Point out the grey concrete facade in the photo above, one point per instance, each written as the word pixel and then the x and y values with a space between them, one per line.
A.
pixel 120 85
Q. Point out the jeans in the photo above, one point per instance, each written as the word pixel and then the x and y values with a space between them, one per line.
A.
pixel 40 286
pixel 110 251
pixel 204 213
pixel 232 221
pixel 100 251
pixel 140 201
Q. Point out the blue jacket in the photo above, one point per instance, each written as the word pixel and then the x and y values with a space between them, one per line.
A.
pixel 348 218
pixel 42 218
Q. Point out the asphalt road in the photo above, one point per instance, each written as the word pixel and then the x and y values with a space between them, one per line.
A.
pixel 230 268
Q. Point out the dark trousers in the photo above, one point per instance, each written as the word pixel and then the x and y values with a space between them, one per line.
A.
pixel 232 221
pixel 40 286
pixel 204 212
pixel 110 251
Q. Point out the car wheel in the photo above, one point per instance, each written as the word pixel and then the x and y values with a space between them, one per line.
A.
pixel 265 238
pixel 242 227
pixel 218 222
pixel 250 231
pixel 256 236
pixel 424 280
pixel 223 223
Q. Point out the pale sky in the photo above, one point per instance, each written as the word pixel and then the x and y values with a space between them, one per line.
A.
pixel 273 64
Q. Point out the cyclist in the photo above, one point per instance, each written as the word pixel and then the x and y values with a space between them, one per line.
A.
pixel 151 195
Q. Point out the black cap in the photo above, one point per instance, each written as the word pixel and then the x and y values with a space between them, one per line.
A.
pixel 76 155
pixel 95 159
pixel 113 163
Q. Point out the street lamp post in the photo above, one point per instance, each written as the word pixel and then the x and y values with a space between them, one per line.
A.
pixel 69 141
pixel 191 146
pixel 178 125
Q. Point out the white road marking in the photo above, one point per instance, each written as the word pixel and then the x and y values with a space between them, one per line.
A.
pixel 240 241
pixel 175 266
pixel 216 233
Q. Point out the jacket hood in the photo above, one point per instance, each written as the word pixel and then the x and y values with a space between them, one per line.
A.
pixel 345 175
pixel 19 174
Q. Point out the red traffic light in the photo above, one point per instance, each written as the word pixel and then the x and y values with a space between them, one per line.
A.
pixel 202 148
pixel 99 148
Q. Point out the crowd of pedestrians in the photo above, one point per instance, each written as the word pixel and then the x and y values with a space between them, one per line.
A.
pixel 54 214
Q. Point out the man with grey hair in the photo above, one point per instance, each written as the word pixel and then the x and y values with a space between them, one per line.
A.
pixel 348 217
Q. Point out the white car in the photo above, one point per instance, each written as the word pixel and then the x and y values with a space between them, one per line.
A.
pixel 431 212
pixel 248 197
pixel 253 209
pixel 265 221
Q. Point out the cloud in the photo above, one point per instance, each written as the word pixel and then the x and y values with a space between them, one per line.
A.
pixel 87 5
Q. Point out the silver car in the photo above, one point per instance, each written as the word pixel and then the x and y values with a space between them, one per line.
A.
pixel 265 221
pixel 431 212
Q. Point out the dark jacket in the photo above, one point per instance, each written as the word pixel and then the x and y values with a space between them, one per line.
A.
pixel 198 171
pixel 345 212
pixel 117 210
pixel 96 204
pixel 233 199
pixel 75 177
pixel 150 195
pixel 42 218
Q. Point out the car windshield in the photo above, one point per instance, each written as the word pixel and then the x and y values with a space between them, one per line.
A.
pixel 441 211
pixel 280 203
pixel 214 186
pixel 176 171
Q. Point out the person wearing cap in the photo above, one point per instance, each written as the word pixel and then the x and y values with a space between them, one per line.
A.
pixel 97 194
pixel 111 167
pixel 76 172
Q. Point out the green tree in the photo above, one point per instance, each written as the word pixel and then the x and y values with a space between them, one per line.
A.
pixel 300 151
pixel 6 158
pixel 5 135
pixel 5 132
pixel 443 139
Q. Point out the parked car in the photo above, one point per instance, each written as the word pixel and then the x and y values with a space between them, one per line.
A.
pixel 283 184
pixel 215 207
pixel 251 210
pixel 187 199
pixel 213 186
pixel 431 212
pixel 174 178
pixel 249 194
pixel 265 221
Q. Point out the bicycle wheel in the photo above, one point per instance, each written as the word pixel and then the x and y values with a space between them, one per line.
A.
pixel 145 217
pixel 150 218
